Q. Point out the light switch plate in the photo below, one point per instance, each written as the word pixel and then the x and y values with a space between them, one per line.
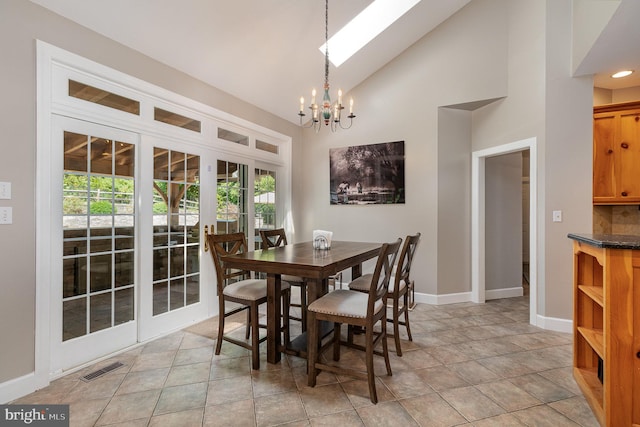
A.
pixel 557 216
pixel 5 190
pixel 6 215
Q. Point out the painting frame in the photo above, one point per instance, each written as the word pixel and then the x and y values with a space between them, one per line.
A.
pixel 369 174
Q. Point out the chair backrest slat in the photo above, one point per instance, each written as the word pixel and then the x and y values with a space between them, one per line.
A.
pixel 273 238
pixel 382 274
pixel 405 259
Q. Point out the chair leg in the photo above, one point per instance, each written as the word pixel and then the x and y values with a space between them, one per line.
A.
pixel 248 328
pixel 371 377
pixel 312 356
pixel 385 345
pixel 220 329
pixel 396 327
pixel 336 341
pixel 286 306
pixel 255 337
pixel 406 315
pixel 303 306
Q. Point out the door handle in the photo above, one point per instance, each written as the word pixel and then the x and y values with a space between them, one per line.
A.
pixel 206 240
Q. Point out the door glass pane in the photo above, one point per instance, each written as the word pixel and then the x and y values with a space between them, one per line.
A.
pixel 98 231
pixel 264 200
pixel 232 215
pixel 176 217
pixel 100 311
pixel 124 304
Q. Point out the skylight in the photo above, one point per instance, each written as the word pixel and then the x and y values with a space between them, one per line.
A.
pixel 373 20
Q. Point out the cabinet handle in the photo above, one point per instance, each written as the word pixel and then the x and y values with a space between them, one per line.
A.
pixel 624 194
pixel 624 145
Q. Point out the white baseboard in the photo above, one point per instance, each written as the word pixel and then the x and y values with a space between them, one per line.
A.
pixel 503 293
pixel 554 324
pixel 442 299
pixel 18 387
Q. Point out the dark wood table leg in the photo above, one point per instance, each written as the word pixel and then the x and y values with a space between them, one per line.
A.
pixel 273 318
pixel 356 271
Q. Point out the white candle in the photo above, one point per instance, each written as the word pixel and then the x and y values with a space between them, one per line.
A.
pixel 313 97
pixel 351 106
pixel 301 104
pixel 339 96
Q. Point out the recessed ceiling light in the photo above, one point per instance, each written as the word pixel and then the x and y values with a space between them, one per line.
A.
pixel 373 20
pixel 620 74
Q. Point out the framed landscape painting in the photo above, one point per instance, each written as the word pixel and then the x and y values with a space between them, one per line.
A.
pixel 367 174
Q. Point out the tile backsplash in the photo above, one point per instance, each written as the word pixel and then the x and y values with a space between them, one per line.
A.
pixel 616 219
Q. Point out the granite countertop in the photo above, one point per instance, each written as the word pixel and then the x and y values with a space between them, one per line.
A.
pixel 612 241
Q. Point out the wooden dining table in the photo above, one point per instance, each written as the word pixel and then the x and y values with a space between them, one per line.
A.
pixel 300 259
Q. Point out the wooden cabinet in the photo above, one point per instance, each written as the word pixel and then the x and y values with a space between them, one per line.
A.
pixel 607 331
pixel 616 154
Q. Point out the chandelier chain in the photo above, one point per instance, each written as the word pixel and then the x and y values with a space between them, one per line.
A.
pixel 326 43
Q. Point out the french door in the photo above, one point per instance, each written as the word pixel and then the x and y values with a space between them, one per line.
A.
pixel 94 231
pixel 126 241
pixel 176 203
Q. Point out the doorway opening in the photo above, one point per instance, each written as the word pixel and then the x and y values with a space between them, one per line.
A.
pixel 478 222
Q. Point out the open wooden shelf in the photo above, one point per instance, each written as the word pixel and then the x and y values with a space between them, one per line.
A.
pixel 593 292
pixel 595 338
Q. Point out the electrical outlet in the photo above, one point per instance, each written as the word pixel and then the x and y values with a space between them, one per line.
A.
pixel 557 216
pixel 5 190
pixel 6 215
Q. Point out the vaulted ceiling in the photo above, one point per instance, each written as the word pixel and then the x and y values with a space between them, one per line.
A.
pixel 266 52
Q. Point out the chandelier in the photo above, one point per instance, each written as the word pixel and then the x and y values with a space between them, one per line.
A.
pixel 327 113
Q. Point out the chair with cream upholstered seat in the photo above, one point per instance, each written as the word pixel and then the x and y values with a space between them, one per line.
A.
pixel 354 308
pixel 239 287
pixel 399 287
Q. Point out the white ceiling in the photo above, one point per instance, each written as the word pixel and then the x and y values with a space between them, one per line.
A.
pixel 266 52
pixel 617 48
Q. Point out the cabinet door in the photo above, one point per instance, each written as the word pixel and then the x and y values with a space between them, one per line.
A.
pixel 629 155
pixel 604 136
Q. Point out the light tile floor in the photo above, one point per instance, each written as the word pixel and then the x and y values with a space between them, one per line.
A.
pixel 469 364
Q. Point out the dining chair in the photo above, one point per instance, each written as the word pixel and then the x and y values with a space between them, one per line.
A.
pixel 344 306
pixel 273 239
pixel 238 286
pixel 399 288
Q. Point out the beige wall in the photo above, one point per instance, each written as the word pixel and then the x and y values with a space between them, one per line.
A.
pixel 21 23
pixel 503 221
pixel 454 201
pixel 568 161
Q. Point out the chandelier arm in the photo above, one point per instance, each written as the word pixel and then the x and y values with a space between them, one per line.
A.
pixel 350 117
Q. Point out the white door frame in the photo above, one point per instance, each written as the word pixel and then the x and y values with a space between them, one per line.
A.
pixel 478 220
